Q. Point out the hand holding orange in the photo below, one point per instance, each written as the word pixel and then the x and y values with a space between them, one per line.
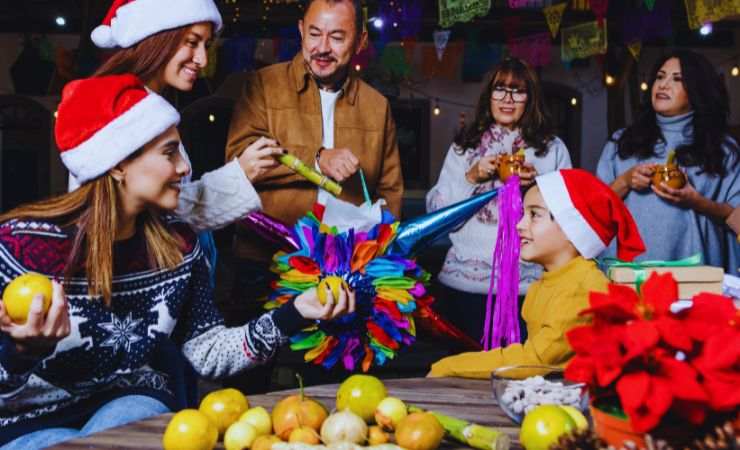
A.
pixel 20 292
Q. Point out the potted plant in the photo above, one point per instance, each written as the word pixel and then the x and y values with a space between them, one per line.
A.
pixel 653 369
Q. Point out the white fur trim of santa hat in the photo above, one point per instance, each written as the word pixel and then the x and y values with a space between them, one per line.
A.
pixel 555 194
pixel 121 137
pixel 139 19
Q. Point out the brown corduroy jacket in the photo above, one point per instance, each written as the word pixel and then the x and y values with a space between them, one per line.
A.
pixel 282 102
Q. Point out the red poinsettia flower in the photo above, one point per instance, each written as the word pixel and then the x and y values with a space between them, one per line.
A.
pixel 719 365
pixel 647 393
pixel 657 360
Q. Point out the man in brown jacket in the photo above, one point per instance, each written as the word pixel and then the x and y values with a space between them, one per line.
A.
pixel 317 109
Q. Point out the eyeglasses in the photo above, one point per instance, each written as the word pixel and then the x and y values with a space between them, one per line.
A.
pixel 517 95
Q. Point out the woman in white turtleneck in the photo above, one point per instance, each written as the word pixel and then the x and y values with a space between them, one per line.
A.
pixel 510 115
pixel 685 110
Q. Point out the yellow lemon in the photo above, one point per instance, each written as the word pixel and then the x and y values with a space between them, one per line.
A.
pixel 224 407
pixel 190 429
pixel 19 293
pixel 239 436
pixel 361 394
pixel 543 426
pixel 577 416
pixel 259 418
pixel 333 283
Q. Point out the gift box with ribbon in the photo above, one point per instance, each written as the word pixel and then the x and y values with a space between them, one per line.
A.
pixel 691 275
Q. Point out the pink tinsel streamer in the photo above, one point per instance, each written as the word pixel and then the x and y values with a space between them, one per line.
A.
pixel 502 324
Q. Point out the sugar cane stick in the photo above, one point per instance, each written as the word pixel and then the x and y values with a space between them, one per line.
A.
pixel 310 174
pixel 472 434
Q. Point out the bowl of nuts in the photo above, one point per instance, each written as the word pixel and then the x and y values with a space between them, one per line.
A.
pixel 519 389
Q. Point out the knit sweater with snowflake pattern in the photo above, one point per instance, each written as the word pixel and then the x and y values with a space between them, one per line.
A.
pixel 125 348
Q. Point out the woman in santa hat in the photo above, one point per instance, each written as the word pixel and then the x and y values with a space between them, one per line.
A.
pixel 135 280
pixel 165 44
pixel 685 111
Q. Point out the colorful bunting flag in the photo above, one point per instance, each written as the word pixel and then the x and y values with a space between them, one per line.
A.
pixel 580 5
pixel 479 57
pixel 700 12
pixel 600 8
pixel 582 41
pixel 441 38
pixel 650 4
pixel 451 11
pixel 554 16
pixel 448 67
pixel 394 60
pixel 534 49
pixel 641 25
pixel 635 48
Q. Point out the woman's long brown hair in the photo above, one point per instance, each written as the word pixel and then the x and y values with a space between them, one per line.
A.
pixel 536 126
pixel 148 58
pixel 93 208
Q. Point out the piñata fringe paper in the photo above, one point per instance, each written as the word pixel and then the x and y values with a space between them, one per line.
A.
pixel 502 321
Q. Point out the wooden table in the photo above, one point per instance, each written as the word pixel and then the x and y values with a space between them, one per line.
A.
pixel 467 399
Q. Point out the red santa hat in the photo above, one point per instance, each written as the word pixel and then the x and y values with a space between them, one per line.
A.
pixel 590 213
pixel 103 120
pixel 130 21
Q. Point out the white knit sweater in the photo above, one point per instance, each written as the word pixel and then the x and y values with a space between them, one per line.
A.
pixel 467 267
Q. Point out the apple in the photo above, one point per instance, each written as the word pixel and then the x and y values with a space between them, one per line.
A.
pixel 20 292
pixel 224 407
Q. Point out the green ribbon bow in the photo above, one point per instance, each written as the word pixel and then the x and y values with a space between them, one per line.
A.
pixel 641 267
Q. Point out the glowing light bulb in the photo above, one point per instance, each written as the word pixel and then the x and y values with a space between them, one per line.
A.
pixel 574 101
pixel 706 29
pixel 211 118
pixel 644 86
pixel 735 71
pixel 61 21
pixel 609 80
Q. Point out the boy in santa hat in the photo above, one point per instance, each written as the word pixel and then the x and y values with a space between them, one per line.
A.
pixel 569 218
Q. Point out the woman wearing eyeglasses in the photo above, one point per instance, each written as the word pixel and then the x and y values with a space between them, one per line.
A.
pixel 510 116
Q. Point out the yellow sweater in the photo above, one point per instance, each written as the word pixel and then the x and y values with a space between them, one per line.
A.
pixel 550 309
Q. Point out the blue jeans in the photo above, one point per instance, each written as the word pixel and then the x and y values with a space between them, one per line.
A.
pixel 115 413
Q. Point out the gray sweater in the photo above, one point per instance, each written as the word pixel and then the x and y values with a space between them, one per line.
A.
pixel 669 231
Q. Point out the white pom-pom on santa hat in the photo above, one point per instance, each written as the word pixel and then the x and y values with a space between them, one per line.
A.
pixel 103 120
pixel 590 213
pixel 130 21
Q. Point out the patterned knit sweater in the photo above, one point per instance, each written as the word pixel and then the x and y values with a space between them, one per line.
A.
pixel 125 348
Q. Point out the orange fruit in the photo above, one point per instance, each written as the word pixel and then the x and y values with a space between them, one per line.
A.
pixel 224 407
pixel 292 412
pixel 361 394
pixel 305 435
pixel 419 431
pixel 544 425
pixel 19 293
pixel 190 429
pixel 265 442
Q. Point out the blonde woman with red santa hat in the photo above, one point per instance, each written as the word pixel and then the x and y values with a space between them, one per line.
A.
pixel 133 280
pixel 165 44
pixel 570 217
